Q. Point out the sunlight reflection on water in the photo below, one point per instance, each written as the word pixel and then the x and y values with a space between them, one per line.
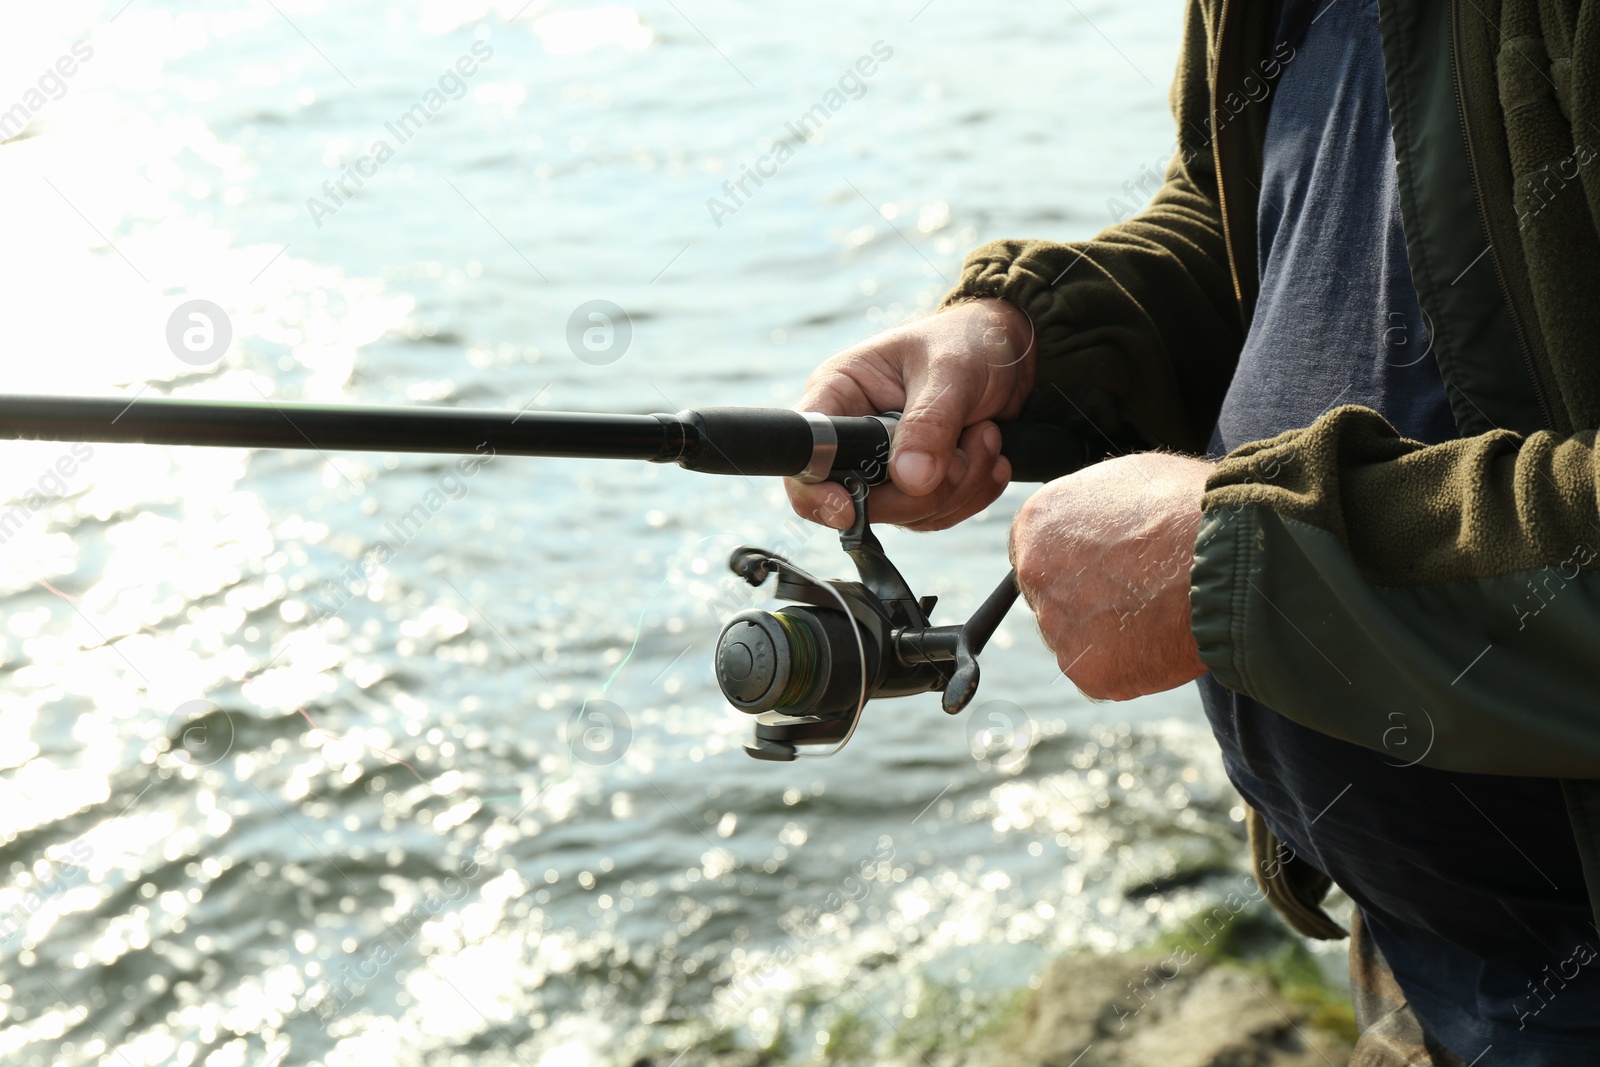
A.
pixel 283 878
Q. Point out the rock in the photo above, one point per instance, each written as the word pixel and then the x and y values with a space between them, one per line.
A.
pixel 1148 1011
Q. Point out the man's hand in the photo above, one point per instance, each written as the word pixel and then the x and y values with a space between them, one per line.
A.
pixel 949 373
pixel 1103 558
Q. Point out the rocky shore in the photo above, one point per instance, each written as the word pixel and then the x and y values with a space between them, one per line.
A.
pixel 1261 1000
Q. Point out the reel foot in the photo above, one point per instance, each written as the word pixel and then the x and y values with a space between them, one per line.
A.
pixel 773 751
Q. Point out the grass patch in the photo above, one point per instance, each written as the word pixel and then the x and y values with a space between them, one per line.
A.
pixel 949 1016
pixel 850 1038
pixel 1294 970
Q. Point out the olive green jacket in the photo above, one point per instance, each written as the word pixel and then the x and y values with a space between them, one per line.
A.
pixel 1437 603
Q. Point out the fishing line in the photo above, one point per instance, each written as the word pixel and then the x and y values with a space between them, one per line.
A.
pixel 861 653
pixel 638 631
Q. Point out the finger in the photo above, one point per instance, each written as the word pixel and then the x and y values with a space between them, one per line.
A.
pixel 826 503
pixel 890 505
pixel 955 499
pixel 975 477
pixel 843 385
pixel 829 504
pixel 864 380
pixel 980 488
pixel 983 478
pixel 833 390
pixel 935 414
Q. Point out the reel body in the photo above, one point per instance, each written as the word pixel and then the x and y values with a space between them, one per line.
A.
pixel 807 670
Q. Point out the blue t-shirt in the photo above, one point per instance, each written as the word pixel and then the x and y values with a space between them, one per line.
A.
pixel 1471 884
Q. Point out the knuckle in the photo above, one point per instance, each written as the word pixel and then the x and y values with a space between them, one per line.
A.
pixel 826 391
pixel 825 372
pixel 929 419
pixel 980 444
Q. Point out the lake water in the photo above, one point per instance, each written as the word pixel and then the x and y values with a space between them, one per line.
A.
pixel 265 800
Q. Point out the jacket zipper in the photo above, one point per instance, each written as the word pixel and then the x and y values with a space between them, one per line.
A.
pixel 1490 218
pixel 1216 159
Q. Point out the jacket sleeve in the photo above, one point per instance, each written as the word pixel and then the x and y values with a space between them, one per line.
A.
pixel 1437 603
pixel 1139 328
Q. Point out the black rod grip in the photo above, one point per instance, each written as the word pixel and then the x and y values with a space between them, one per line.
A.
pixel 747 441
pixel 1044 451
pixel 785 443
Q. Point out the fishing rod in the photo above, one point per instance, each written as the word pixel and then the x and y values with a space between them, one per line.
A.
pixel 805 671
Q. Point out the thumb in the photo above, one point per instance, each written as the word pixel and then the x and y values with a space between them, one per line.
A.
pixel 935 414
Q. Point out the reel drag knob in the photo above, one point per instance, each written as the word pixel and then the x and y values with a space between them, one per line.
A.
pixel 767 661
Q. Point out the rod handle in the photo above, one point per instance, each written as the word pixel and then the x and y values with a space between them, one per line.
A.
pixel 780 442
pixel 1044 451
pixel 786 443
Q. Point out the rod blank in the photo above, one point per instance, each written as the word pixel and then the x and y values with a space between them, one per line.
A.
pixel 340 427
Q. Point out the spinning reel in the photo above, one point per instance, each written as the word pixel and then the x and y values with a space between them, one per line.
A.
pixel 806 670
